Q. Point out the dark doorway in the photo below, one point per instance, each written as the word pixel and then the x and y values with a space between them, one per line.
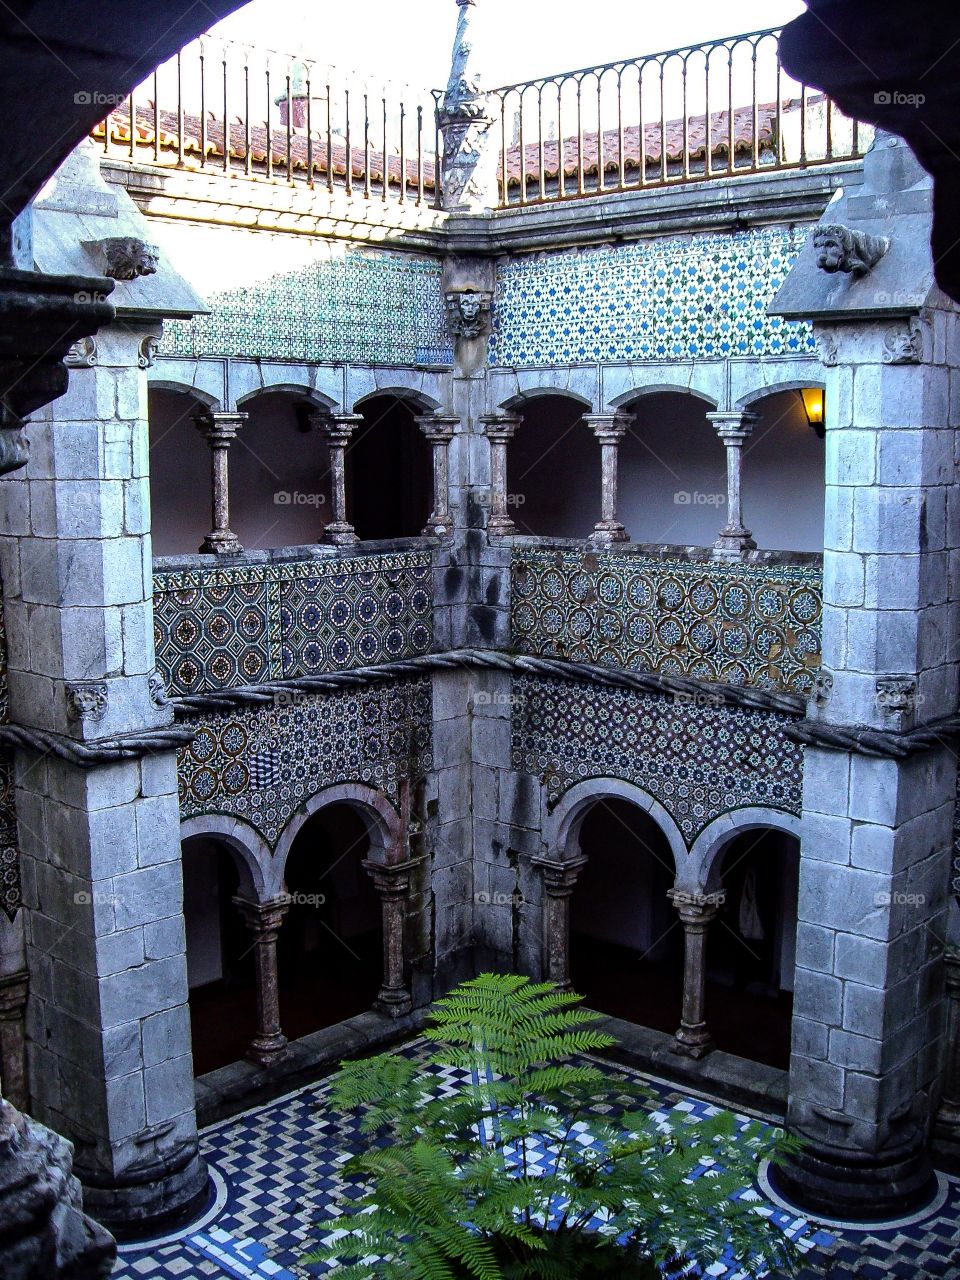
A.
pixel 389 471
pixel 553 469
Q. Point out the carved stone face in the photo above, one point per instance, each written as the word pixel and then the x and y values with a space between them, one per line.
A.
pixel 470 305
pixel 830 253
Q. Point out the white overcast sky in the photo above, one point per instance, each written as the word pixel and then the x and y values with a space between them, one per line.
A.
pixel 409 41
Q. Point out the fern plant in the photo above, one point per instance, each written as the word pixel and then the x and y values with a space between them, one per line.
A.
pixel 508 1154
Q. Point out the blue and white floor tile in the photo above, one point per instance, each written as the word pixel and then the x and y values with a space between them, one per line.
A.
pixel 275 1173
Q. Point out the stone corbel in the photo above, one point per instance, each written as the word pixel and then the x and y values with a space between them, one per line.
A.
pixel 847 249
pixel 82 355
pixel 125 257
pixel 905 346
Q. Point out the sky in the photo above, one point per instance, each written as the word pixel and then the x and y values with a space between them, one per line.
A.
pixel 409 41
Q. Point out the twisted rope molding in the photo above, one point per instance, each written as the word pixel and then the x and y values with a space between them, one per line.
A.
pixel 679 687
pixel 89 754
pixel 876 742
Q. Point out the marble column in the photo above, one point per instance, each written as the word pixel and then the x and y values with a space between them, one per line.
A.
pixel 945 1144
pixel 696 911
pixel 439 429
pixel 392 882
pixel 609 428
pixel 559 879
pixel 338 428
pixel 13 1047
pixel 220 430
pixel 264 919
pixel 734 430
pixel 499 428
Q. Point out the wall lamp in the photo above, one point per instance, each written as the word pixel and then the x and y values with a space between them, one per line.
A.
pixel 814 407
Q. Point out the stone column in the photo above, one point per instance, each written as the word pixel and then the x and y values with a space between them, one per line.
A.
pixel 734 430
pixel 499 428
pixel 264 919
pixel 609 428
pixel 946 1127
pixel 108 1030
pixel 392 882
pixel 559 879
pixel 439 429
pixel 13 1060
pixel 696 911
pixel 338 429
pixel 220 430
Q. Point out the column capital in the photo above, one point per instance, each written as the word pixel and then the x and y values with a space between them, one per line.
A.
pixel 337 427
pixel 13 995
pixel 439 428
pixel 499 428
pixel 391 878
pixel 696 908
pixel 262 918
pixel 735 425
pixel 220 427
pixel 609 428
pixel 559 877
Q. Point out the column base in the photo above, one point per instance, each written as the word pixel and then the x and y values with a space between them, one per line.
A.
pixel 856 1186
pixel 151 1198
pixel 221 544
pixel 394 1002
pixel 732 544
pixel 438 529
pixel 693 1041
pixel 266 1050
pixel 945 1142
pixel 500 527
pixel 341 535
pixel 607 532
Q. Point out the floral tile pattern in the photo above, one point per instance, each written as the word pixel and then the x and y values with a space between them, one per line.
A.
pixel 262 764
pixel 360 305
pixel 736 623
pixel 219 628
pixel 682 297
pixel 698 760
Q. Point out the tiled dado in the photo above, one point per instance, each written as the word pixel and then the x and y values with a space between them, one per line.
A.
pixel 218 628
pixel 262 764
pixel 737 623
pixel 699 760
pixel 683 297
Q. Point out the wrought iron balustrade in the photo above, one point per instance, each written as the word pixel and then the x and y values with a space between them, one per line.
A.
pixel 723 107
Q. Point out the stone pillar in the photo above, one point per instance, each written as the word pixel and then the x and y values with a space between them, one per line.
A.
pixel 439 429
pixel 338 429
pixel 220 430
pixel 696 911
pixel 264 919
pixel 13 1048
pixel 108 1031
pixel 734 430
pixel 946 1127
pixel 559 879
pixel 392 882
pixel 499 428
pixel 609 428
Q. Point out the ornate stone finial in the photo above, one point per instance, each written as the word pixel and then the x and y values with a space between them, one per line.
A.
pixel 126 257
pixel 470 158
pixel 845 249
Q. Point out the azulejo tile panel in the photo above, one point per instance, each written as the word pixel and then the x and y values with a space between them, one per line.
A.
pixel 698 760
pixel 358 305
pixel 677 298
pixel 263 764
pixel 219 628
pixel 10 896
pixel 736 623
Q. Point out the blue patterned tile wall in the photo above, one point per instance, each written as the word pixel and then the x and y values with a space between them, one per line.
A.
pixel 362 306
pixel 221 627
pixel 677 298
pixel 737 623
pixel 698 760
pixel 262 764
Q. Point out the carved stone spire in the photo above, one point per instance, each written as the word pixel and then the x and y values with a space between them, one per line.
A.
pixel 469 171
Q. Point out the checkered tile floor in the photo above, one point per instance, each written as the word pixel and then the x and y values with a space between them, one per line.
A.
pixel 278 1173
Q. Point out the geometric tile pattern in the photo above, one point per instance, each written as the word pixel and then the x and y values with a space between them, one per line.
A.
pixel 219 628
pixel 281 1165
pixel 10 899
pixel 261 764
pixel 361 305
pixel 677 298
pixel 737 623
pixel 698 759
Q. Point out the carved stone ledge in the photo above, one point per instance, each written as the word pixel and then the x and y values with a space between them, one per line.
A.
pixel 846 249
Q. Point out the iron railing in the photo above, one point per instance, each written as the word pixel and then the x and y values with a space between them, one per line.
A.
pixel 710 110
pixel 221 107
